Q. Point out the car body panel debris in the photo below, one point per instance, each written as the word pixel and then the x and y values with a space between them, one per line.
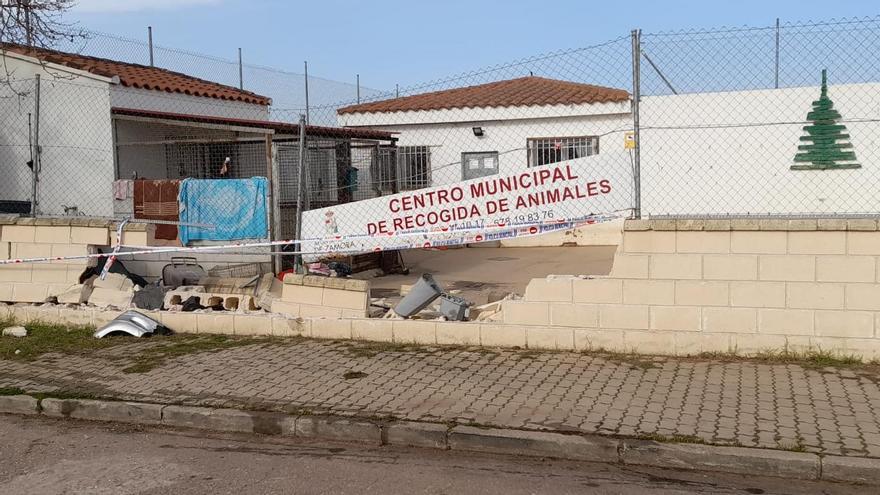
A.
pixel 132 323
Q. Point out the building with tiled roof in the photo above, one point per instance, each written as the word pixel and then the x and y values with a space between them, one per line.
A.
pixel 499 127
pixel 138 76
pixel 101 124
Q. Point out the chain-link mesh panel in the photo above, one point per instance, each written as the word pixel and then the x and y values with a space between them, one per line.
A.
pixel 738 122
pixel 516 149
pixel 76 141
pixel 16 146
pixel 286 88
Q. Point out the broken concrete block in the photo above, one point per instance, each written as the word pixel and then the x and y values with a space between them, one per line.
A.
pixel 103 297
pixel 75 294
pixel 268 290
pixel 114 281
pixel 357 285
pixel 229 285
pixel 283 307
pixel 346 299
pixel 30 292
pixel 302 294
pixel 15 332
pixel 230 302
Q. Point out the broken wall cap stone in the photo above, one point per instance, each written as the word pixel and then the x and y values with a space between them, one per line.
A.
pixel 805 224
pixel 831 224
pixel 861 224
pixel 689 224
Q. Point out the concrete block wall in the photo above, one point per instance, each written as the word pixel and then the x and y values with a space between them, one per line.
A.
pixel 49 237
pixel 309 296
pixel 690 286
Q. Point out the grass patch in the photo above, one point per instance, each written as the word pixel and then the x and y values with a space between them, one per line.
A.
pixel 44 338
pixel 527 355
pixel 11 391
pixel 656 437
pixel 181 345
pixel 366 349
pixel 66 394
pixel 792 447
pixel 639 361
pixel 812 358
pixel 50 338
pixel 351 375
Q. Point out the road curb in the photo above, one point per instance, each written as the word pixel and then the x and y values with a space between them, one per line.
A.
pixel 414 434
pixel 534 443
pixel 737 460
pixel 593 448
pixel 19 404
pixel 100 410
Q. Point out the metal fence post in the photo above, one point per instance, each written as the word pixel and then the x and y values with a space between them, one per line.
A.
pixel 637 166
pixel 150 43
pixel 275 198
pixel 776 84
pixel 306 64
pixel 36 151
pixel 300 193
pixel 240 71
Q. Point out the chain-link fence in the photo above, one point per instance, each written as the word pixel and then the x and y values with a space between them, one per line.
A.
pixel 290 92
pixel 754 121
pixel 742 122
pixel 533 146
pixel 17 188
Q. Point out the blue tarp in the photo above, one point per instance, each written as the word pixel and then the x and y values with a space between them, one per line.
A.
pixel 235 207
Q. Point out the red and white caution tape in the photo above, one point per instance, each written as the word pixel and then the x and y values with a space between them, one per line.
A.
pixel 116 253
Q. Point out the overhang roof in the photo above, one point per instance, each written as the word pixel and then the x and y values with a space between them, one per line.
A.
pixel 278 127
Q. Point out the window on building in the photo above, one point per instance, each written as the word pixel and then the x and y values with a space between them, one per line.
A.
pixel 413 167
pixel 543 151
pixel 478 164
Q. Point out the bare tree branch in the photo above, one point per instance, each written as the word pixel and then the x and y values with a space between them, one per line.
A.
pixel 34 24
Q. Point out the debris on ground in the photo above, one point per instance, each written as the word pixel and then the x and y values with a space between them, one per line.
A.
pixel 454 308
pixel 421 296
pixel 151 297
pixel 131 323
pixel 15 332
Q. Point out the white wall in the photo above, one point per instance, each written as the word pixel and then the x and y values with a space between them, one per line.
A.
pixel 737 159
pixel 449 132
pixel 160 101
pixel 75 136
pixel 508 137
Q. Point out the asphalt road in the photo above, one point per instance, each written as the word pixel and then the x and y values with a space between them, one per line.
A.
pixel 44 456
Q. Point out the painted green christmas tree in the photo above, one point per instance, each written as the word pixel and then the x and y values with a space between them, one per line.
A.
pixel 829 146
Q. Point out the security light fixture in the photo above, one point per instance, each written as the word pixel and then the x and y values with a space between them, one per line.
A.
pixel 478 131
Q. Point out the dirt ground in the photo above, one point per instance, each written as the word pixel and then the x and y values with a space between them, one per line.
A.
pixel 473 273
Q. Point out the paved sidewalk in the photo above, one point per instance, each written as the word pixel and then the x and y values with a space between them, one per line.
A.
pixel 785 406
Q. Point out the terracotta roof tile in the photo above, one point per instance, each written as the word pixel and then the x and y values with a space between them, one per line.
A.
pixel 524 91
pixel 140 76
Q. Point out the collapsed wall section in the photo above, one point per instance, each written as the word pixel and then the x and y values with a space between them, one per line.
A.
pixel 692 286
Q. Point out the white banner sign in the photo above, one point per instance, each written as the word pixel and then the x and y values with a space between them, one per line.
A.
pixel 534 201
